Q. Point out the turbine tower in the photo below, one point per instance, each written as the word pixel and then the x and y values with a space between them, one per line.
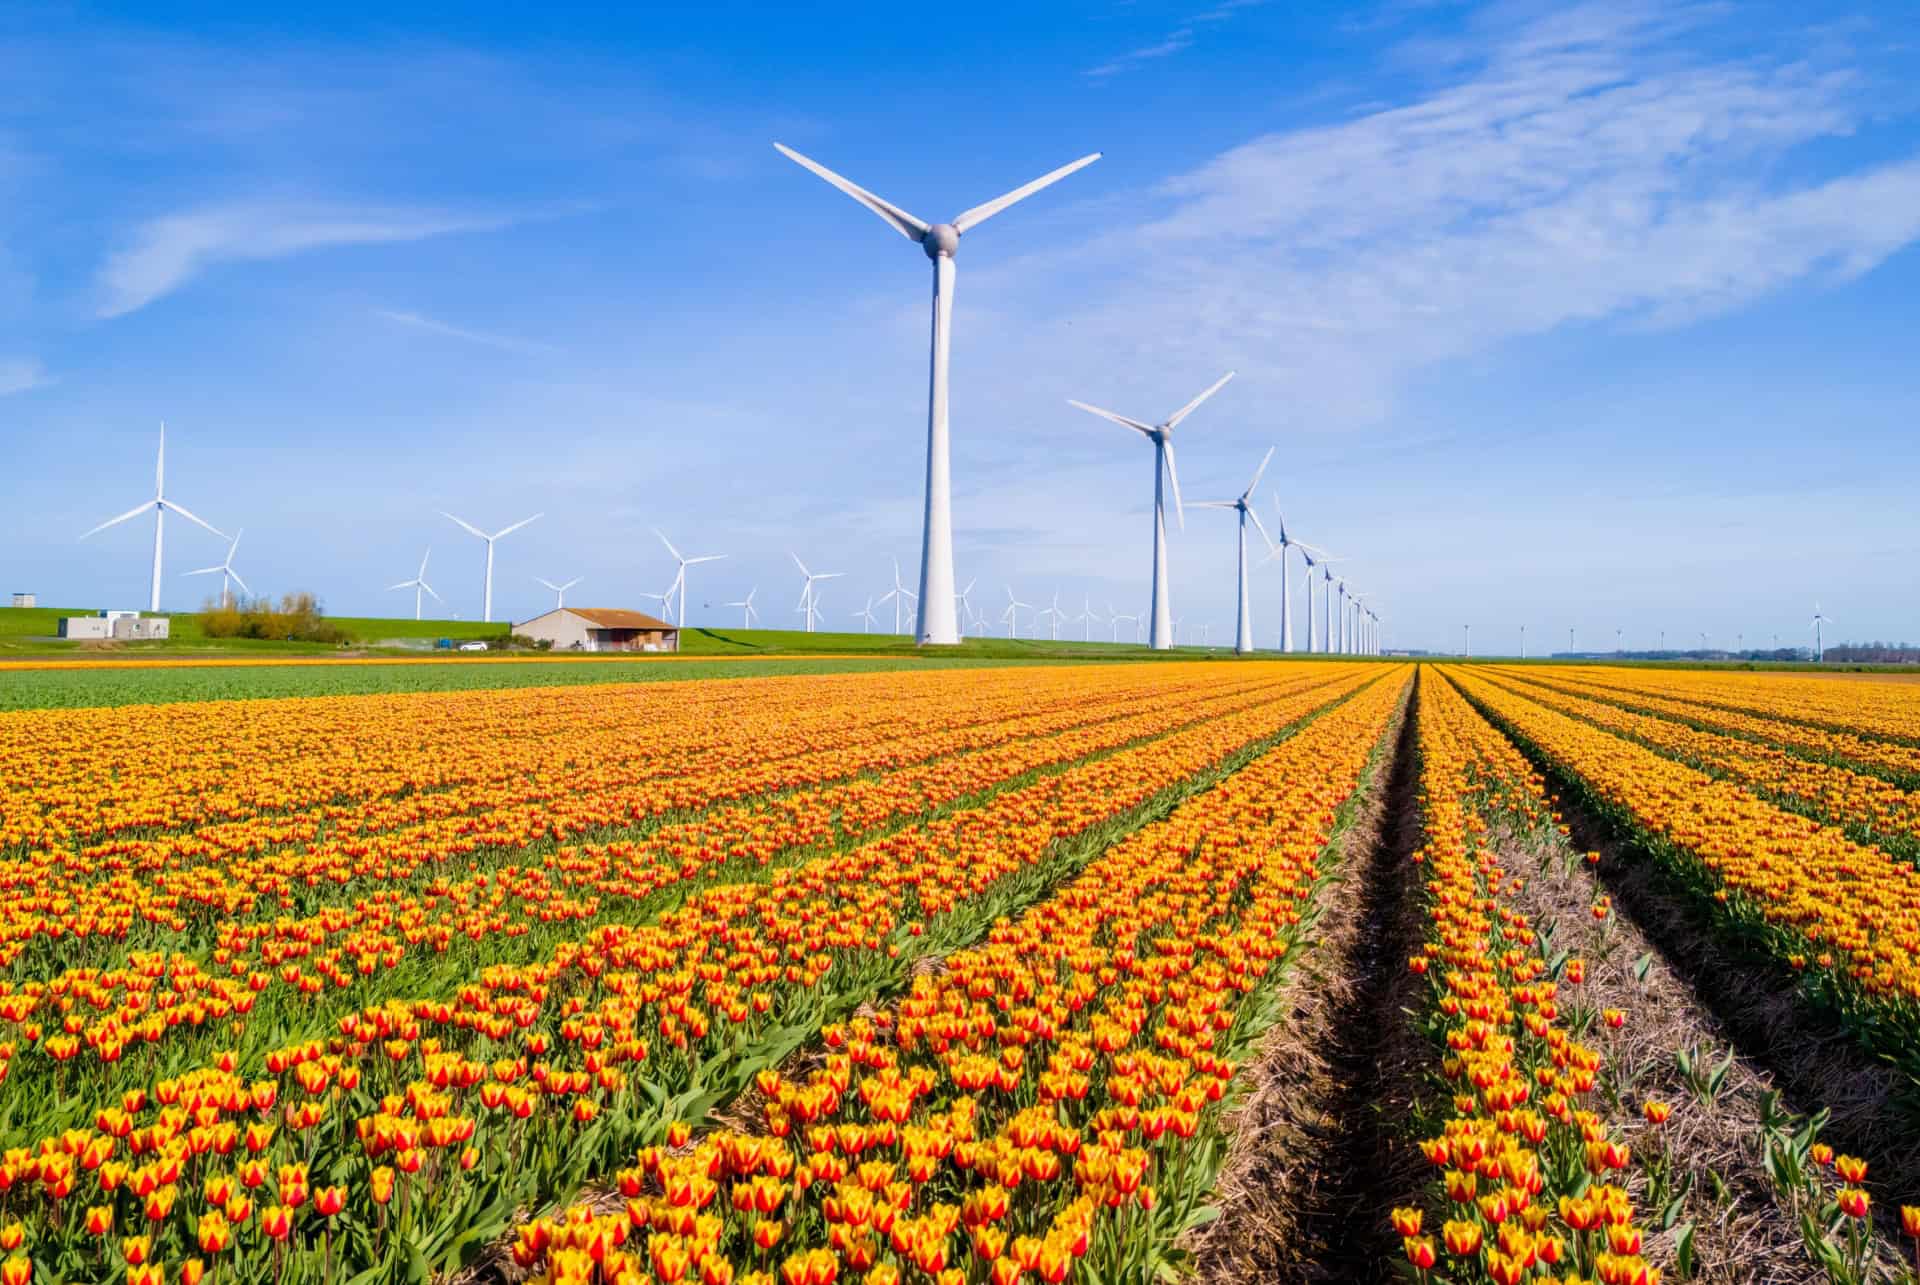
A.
pixel 1819 647
pixel 226 571
pixel 418 583
pixel 680 576
pixel 941 241
pixel 161 506
pixel 486 604
pixel 560 590
pixel 1243 622
pixel 1161 435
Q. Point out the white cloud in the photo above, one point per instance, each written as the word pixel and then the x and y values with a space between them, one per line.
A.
pixel 1586 167
pixel 417 321
pixel 1173 44
pixel 167 252
pixel 20 374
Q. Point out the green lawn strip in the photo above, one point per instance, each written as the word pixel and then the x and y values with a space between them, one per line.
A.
pixel 1886 1027
pixel 1894 843
pixel 1704 723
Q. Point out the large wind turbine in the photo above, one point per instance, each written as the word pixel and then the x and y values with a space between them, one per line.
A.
pixel 418 583
pixel 941 241
pixel 1160 435
pixel 808 602
pixel 160 505
pixel 559 590
pixel 1243 622
pixel 486 606
pixel 680 575
pixel 226 571
pixel 746 606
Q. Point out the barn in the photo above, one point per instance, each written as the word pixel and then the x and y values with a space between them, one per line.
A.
pixel 600 629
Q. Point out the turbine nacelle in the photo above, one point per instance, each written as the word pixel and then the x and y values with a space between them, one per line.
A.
pixel 941 241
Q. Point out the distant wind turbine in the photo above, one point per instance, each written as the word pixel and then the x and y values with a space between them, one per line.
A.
pixel 161 506
pixel 486 606
pixel 1285 542
pixel 418 583
pixel 964 602
pixel 226 572
pixel 1243 622
pixel 746 605
pixel 809 598
pixel 1011 616
pixel 560 590
pixel 941 241
pixel 866 616
pixel 1161 435
pixel 898 595
pixel 680 576
pixel 1819 646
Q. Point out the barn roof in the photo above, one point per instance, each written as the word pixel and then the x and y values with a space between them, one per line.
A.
pixel 618 618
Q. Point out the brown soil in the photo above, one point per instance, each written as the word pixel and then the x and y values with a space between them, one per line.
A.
pixel 1700 992
pixel 1314 1164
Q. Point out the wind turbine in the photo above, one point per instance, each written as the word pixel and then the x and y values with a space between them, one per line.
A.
pixel 418 583
pixel 1011 616
pixel 1307 551
pixel 1358 638
pixel 1466 642
pixel 226 571
pixel 486 608
pixel 865 614
pixel 161 506
pixel 1523 642
pixel 940 241
pixel 680 575
pixel 1116 616
pixel 1819 647
pixel 1053 617
pixel 746 604
pixel 1161 435
pixel 899 595
pixel 1243 624
pixel 560 590
pixel 1086 618
pixel 964 607
pixel 808 600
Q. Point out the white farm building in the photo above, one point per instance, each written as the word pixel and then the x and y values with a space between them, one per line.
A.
pixel 600 629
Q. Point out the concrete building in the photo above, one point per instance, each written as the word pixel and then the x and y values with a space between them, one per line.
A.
pixel 122 626
pixel 600 629
pixel 25 600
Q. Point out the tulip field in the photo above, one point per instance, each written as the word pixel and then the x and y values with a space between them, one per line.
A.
pixel 943 975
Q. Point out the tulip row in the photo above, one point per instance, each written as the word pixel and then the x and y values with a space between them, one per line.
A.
pixel 1529 1172
pixel 156 998
pixel 1853 737
pixel 442 1114
pixel 1869 805
pixel 1044 1105
pixel 531 789
pixel 1845 912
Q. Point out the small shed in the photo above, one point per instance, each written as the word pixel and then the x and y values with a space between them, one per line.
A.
pixel 600 629
pixel 24 599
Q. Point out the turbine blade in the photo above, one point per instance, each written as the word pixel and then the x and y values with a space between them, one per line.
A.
pixel 899 220
pixel 175 508
pixel 670 549
pixel 237 580
pixel 803 566
pixel 134 512
pixel 1258 473
pixel 548 583
pixel 205 571
pixel 707 557
pixel 1174 419
pixel 516 526
pixel 1261 527
pixel 1216 504
pixel 570 584
pixel 1173 476
pixel 429 589
pixel 463 522
pixel 830 575
pixel 1145 430
pixel 981 213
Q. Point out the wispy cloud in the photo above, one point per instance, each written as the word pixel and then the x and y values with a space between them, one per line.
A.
pixel 1587 167
pixel 164 254
pixel 21 374
pixel 418 321
pixel 1175 41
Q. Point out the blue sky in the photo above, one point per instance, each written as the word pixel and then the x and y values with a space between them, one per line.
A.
pixel 1595 317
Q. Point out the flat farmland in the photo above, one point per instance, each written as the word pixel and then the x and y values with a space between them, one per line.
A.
pixel 1223 971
